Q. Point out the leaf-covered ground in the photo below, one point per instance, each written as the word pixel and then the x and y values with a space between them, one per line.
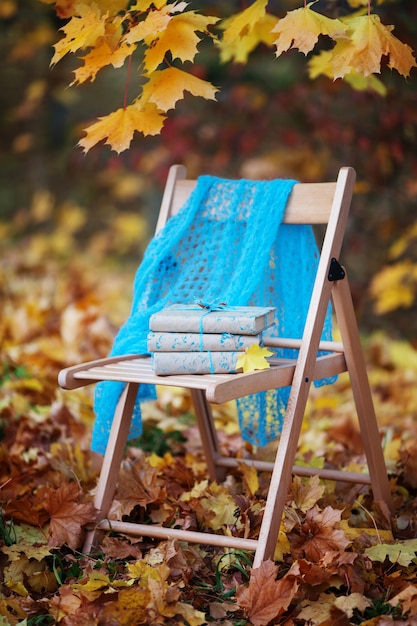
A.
pixel 337 563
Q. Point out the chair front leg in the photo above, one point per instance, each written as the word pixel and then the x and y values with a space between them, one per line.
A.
pixel 113 457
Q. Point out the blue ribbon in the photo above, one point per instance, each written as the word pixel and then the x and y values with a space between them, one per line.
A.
pixel 208 307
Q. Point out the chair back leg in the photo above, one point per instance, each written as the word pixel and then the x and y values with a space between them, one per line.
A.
pixel 356 367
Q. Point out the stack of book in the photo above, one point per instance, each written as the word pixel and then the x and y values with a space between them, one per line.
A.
pixel 190 339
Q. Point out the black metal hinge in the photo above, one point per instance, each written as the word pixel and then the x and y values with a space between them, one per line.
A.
pixel 336 271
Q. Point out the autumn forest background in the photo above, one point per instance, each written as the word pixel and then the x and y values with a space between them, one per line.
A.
pixel 73 227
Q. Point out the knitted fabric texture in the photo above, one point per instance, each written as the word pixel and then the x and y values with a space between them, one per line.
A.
pixel 226 244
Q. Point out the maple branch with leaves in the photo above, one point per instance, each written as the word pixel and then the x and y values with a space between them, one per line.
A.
pixel 110 32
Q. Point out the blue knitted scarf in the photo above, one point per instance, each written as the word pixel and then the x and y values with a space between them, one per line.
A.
pixel 226 244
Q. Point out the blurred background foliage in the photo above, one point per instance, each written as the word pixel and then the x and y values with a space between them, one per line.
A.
pixel 270 120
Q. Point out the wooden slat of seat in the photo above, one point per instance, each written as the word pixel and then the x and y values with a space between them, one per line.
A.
pixel 219 388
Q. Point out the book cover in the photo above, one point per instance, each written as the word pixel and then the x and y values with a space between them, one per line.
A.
pixel 196 342
pixel 191 318
pixel 169 363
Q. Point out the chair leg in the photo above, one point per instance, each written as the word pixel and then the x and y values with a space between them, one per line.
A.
pixel 208 434
pixel 345 313
pixel 113 457
pixel 281 475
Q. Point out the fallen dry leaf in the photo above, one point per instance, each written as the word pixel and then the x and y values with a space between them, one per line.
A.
pixel 266 598
pixel 67 515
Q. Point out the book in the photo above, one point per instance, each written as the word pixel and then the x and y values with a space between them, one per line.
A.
pixel 196 342
pixel 191 318
pixel 169 363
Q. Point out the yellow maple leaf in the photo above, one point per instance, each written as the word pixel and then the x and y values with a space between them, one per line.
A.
pixel 239 48
pixel 250 478
pixel 67 8
pixel 394 287
pixel 322 64
pixel 243 23
pixel 190 614
pixel 166 87
pixel 301 28
pixel 254 358
pixel 144 5
pixel 369 41
pixel 220 506
pixel 101 56
pixel 179 37
pixel 117 128
pixel 154 23
pixel 82 31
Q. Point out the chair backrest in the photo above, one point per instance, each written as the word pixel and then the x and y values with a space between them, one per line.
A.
pixel 309 203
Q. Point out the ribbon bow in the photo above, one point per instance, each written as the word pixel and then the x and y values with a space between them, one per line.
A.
pixel 211 306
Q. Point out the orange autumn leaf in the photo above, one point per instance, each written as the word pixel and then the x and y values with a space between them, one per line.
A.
pixel 301 28
pixel 67 515
pixel 166 87
pixel 265 598
pixel 369 41
pixel 117 128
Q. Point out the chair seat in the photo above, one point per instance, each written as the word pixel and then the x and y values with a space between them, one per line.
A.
pixel 218 388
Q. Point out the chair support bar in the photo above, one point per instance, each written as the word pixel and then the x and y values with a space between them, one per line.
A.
pixel 160 532
pixel 326 474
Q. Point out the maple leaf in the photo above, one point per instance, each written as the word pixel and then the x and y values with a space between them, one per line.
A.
pixel 394 286
pixel 243 23
pixel 319 534
pixel 250 478
pixel 306 493
pixel 67 515
pixel 30 541
pixel 322 64
pixel 254 358
pixel 82 31
pixel 265 598
pixel 407 597
pixel 301 28
pixel 101 56
pixel 369 41
pixel 118 128
pixel 179 37
pixel 144 5
pixel 238 49
pixel 192 616
pixel 131 607
pixel 67 8
pixel 139 485
pixel 403 553
pixel 349 603
pixel 154 23
pixel 220 506
pixel 166 87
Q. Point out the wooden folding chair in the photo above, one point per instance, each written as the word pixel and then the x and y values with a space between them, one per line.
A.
pixel 313 203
